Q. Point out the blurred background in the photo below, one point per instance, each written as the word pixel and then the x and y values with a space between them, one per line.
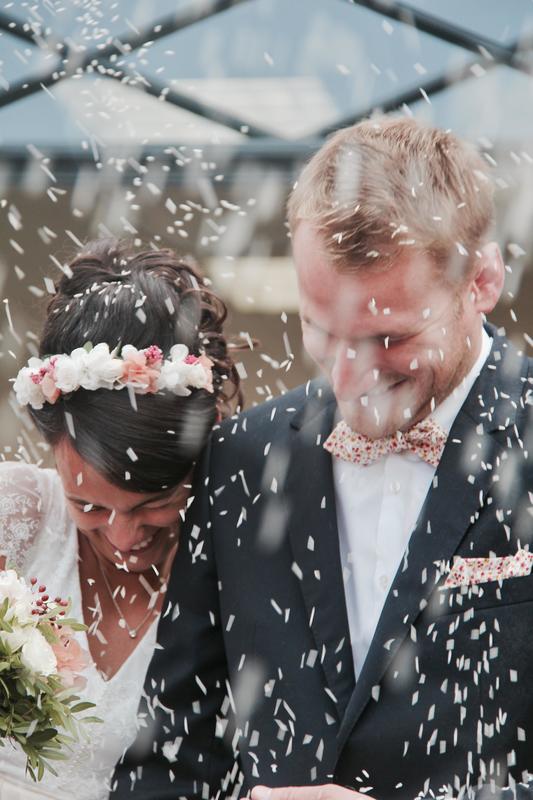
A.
pixel 185 123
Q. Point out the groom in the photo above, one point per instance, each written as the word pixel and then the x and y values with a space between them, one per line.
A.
pixel 360 553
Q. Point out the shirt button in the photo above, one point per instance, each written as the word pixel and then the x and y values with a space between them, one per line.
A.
pixel 395 487
pixel 383 582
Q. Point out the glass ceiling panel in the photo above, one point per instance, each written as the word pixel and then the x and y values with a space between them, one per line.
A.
pixel 90 22
pixel 92 113
pixel 289 68
pixel 354 57
pixel 498 105
pixel 504 22
pixel 18 59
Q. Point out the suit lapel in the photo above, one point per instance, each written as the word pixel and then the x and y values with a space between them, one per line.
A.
pixel 312 529
pixel 460 487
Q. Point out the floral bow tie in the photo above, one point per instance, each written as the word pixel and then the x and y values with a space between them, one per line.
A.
pixel 426 439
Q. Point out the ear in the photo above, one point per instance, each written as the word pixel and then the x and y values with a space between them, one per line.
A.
pixel 486 284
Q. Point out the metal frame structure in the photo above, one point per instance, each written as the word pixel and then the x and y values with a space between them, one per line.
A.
pixel 260 144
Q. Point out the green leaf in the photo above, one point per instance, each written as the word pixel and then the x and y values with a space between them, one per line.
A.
pixel 42 736
pixel 84 706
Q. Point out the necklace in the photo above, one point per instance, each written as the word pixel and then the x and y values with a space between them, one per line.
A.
pixel 132 632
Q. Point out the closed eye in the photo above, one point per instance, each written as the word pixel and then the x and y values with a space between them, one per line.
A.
pixel 162 505
pixel 88 507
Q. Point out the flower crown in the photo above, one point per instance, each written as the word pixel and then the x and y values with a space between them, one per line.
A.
pixel 142 371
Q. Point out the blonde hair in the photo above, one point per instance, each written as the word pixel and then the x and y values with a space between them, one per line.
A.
pixel 386 185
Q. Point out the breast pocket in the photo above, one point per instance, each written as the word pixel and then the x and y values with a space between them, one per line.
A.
pixel 486 635
pixel 473 599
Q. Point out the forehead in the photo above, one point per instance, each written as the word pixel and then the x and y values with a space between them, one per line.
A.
pixel 81 479
pixel 374 300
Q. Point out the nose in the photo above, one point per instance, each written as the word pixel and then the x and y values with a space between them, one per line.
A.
pixel 353 371
pixel 122 531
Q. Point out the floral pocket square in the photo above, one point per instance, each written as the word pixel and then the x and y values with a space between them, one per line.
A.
pixel 468 571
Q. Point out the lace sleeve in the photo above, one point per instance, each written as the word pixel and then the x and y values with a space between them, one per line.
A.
pixel 20 510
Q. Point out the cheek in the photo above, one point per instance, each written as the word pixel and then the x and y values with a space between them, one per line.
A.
pixel 405 360
pixel 316 345
pixel 160 518
pixel 82 520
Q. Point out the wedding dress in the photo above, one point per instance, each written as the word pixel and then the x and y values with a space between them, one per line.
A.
pixel 39 539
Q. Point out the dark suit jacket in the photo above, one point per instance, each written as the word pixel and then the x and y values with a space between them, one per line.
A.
pixel 445 696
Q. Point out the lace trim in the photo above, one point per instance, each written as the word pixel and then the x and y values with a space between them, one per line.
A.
pixel 20 511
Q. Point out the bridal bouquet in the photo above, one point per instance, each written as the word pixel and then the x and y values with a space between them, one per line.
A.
pixel 40 662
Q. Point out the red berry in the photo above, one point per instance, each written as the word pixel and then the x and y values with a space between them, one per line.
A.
pixel 33 581
pixel 42 589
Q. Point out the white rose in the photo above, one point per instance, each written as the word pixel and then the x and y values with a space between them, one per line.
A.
pixel 173 376
pixel 37 655
pixel 67 373
pixel 94 365
pixel 35 652
pixel 101 367
pixel 129 351
pixel 178 352
pixel 196 376
pixel 26 391
pixel 14 639
pixel 18 594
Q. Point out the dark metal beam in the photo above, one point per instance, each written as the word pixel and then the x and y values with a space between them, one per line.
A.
pixel 201 109
pixel 448 32
pixel 15 28
pixel 119 46
pixel 412 95
pixel 196 12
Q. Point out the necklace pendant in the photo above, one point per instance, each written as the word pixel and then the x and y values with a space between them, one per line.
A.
pixel 132 634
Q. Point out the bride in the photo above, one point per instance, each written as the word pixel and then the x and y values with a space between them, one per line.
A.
pixel 134 372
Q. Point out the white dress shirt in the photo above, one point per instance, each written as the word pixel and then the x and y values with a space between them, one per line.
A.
pixel 377 509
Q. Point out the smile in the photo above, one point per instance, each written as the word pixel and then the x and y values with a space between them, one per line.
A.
pixel 380 392
pixel 144 544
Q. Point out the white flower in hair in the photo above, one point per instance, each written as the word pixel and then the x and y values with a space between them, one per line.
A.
pixel 197 376
pixel 101 368
pixel 145 371
pixel 26 391
pixel 68 371
pixel 174 373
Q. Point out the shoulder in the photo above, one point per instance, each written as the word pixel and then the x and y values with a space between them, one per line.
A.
pixel 25 494
pixel 18 476
pixel 265 433
pixel 33 481
pixel 271 419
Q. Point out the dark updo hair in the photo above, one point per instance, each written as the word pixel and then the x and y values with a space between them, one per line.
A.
pixel 112 293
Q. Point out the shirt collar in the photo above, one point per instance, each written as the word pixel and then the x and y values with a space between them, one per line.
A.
pixel 446 412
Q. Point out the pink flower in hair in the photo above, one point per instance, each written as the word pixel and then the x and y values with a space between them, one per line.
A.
pixel 48 386
pixel 154 355
pixel 201 374
pixel 136 372
pixel 37 377
pixel 207 364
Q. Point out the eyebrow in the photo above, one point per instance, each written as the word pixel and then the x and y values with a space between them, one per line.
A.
pixel 389 332
pixel 162 496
